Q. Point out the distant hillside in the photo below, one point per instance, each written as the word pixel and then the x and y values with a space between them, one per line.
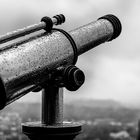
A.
pixel 103 109
pixel 79 110
pixel 97 103
pixel 25 110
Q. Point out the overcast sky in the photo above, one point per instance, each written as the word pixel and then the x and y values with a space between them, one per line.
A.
pixel 112 69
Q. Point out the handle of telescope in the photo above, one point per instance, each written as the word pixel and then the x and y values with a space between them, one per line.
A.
pixel 46 24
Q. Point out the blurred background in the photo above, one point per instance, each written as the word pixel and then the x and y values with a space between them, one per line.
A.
pixel 112 69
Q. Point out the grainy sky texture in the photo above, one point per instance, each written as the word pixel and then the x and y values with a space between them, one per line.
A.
pixel 112 69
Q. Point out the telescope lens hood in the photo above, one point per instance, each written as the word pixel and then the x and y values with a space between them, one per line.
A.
pixel 2 95
pixel 115 23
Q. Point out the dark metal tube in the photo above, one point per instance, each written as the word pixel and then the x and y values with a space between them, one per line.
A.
pixel 26 65
pixel 21 32
pixel 52 105
pixel 29 29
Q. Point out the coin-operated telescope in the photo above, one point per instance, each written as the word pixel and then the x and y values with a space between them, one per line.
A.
pixel 40 57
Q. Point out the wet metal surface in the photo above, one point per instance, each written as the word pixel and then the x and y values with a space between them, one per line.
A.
pixel 29 63
pixel 91 35
pixel 26 65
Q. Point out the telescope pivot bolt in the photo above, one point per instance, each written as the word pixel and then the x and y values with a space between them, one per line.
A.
pixel 57 20
pixel 60 19
pixel 73 78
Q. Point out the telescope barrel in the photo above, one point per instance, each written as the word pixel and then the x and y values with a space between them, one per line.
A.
pixel 26 65
pixel 89 36
pixel 56 20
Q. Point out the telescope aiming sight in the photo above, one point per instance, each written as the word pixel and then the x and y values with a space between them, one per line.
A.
pixel 46 60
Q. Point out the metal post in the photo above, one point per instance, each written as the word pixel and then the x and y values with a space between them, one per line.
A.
pixel 52 126
pixel 52 106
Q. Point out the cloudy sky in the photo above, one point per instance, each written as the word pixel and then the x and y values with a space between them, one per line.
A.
pixel 112 69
